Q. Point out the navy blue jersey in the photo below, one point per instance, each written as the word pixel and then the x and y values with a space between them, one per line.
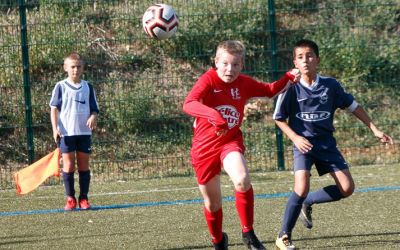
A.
pixel 310 110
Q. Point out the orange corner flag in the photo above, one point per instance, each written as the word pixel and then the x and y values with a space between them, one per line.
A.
pixel 31 177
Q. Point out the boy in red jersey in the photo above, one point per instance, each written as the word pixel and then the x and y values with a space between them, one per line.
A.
pixel 217 102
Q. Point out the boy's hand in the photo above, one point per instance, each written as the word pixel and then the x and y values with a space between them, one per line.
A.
pixel 294 75
pixel 56 136
pixel 384 138
pixel 221 128
pixel 92 122
pixel 302 144
pixel 221 132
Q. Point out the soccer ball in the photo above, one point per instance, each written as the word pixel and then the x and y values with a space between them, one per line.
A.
pixel 160 21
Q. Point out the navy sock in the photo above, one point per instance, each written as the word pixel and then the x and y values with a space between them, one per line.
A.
pixel 326 194
pixel 68 179
pixel 84 182
pixel 292 211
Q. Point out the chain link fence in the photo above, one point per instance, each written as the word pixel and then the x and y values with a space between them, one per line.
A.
pixel 141 82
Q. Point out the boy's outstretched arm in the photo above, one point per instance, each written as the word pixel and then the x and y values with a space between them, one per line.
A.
pixel 301 143
pixel 360 113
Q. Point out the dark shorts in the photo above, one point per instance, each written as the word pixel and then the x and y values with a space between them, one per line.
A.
pixel 324 154
pixel 81 143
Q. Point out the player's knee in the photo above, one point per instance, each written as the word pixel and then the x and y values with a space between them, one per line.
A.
pixel 348 191
pixel 243 184
pixel 301 191
pixel 213 206
pixel 68 168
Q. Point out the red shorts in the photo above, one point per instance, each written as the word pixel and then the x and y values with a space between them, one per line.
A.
pixel 210 166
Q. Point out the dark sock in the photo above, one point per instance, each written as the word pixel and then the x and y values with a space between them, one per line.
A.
pixel 84 182
pixel 326 194
pixel 292 211
pixel 68 179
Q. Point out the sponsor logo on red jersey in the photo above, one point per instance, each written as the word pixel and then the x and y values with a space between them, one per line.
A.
pixel 230 114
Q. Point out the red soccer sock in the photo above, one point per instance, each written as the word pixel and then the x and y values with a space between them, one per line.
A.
pixel 245 208
pixel 214 223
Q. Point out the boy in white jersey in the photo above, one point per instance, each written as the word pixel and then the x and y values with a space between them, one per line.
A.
pixel 73 116
pixel 310 106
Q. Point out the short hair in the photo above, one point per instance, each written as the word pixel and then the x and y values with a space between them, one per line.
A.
pixel 232 47
pixel 74 56
pixel 306 43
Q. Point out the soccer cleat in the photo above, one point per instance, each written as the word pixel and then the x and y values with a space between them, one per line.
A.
pixel 84 204
pixel 223 244
pixel 251 241
pixel 284 243
pixel 71 203
pixel 305 216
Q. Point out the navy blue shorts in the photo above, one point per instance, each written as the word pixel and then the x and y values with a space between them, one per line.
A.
pixel 324 154
pixel 81 143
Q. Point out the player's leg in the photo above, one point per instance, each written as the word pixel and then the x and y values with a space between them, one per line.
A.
pixel 293 208
pixel 82 158
pixel 344 187
pixel 344 182
pixel 302 166
pixel 68 171
pixel 68 147
pixel 208 172
pixel 330 161
pixel 84 179
pixel 235 165
pixel 68 162
pixel 211 192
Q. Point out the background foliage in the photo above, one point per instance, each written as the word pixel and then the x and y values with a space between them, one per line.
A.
pixel 141 83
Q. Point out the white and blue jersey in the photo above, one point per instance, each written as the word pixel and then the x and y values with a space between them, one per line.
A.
pixel 75 103
pixel 310 109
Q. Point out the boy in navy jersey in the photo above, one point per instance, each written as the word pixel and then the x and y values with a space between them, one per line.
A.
pixel 217 102
pixel 73 116
pixel 310 106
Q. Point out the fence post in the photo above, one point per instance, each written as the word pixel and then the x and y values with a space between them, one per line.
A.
pixel 274 64
pixel 27 88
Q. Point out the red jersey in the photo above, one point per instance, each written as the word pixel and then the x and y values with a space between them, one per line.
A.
pixel 218 105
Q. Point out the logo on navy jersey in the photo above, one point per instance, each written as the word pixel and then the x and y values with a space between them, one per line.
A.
pixel 313 116
pixel 230 114
pixel 324 96
pixel 302 99
pixel 81 102
pixel 235 94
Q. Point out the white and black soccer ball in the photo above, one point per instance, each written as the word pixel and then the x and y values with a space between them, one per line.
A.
pixel 160 21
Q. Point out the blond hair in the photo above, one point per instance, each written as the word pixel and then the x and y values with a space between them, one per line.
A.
pixel 231 47
pixel 74 56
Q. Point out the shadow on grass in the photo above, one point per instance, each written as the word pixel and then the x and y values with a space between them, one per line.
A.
pixel 265 243
pixel 354 242
pixel 350 244
pixel 12 240
pixel 19 239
